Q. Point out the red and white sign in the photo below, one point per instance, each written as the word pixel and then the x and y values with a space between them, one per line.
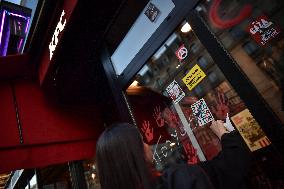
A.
pixel 182 52
pixel 263 30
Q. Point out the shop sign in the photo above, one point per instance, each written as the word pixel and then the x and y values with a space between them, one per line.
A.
pixel 250 130
pixel 152 12
pixel 182 52
pixel 201 111
pixel 194 77
pixel 59 28
pixel 175 92
pixel 263 30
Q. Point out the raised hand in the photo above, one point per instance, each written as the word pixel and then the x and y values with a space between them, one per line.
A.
pixel 158 116
pixel 218 128
pixel 147 130
pixel 221 109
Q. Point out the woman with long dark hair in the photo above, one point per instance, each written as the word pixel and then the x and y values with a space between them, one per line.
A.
pixel 124 162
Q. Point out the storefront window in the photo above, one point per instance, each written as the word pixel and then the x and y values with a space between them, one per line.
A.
pixel 252 32
pixel 54 177
pixel 178 92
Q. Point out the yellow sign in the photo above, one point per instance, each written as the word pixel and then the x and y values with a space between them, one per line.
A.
pixel 250 130
pixel 193 77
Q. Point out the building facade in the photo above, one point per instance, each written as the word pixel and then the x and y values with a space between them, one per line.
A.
pixel 170 67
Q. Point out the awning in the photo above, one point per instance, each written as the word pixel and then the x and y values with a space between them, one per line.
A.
pixel 36 132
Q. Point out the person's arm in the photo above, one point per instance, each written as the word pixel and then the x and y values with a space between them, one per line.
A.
pixel 229 167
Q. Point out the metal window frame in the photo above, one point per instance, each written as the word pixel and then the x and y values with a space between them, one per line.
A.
pixel 268 120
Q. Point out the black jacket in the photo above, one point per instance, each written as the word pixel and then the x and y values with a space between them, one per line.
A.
pixel 226 171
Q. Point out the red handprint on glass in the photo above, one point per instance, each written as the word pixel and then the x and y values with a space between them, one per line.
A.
pixel 191 153
pixel 222 106
pixel 173 117
pixel 147 130
pixel 158 116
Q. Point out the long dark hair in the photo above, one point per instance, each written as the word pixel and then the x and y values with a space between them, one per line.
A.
pixel 120 159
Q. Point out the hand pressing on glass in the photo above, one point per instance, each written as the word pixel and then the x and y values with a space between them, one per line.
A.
pixel 222 106
pixel 218 128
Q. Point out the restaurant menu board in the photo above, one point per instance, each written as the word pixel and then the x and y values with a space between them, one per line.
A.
pixel 250 130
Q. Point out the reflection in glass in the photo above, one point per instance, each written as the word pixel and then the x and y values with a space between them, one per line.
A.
pixel 263 64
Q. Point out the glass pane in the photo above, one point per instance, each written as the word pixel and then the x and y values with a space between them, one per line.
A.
pixel 55 176
pixel 178 93
pixel 252 31
pixel 33 183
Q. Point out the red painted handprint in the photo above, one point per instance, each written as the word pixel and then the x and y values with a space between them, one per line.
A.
pixel 173 117
pixel 191 153
pixel 221 109
pixel 158 116
pixel 147 130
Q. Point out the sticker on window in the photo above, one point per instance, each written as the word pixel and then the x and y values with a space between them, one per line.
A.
pixel 194 77
pixel 201 111
pixel 182 52
pixel 263 30
pixel 250 130
pixel 175 92
pixel 152 12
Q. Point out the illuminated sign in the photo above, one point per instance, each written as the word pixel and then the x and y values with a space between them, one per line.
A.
pixel 194 77
pixel 59 28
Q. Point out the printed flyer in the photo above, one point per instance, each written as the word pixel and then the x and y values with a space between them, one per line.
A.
pixel 250 130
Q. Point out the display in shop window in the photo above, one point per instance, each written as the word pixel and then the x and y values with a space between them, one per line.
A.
pixel 250 130
pixel 263 30
pixel 181 52
pixel 194 77
pixel 175 92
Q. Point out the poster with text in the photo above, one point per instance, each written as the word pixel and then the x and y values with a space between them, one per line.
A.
pixel 193 77
pixel 250 130
pixel 263 30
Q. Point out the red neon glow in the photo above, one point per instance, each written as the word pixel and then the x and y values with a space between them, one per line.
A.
pixel 223 24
